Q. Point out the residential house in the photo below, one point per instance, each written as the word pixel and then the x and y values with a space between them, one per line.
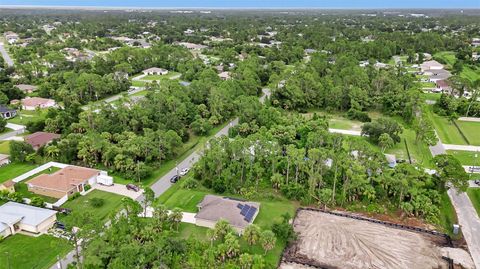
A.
pixel 192 46
pixel 40 139
pixel 155 71
pixel 26 88
pixel 224 75
pixel 436 75
pixel 430 65
pixel 4 159
pixel 475 42
pixel 8 185
pixel 7 113
pixel 67 181
pixel 15 217
pixel 11 37
pixel 442 86
pixel 238 213
pixel 32 103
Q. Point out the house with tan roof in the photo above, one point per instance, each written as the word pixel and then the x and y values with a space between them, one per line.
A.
pixel 8 185
pixel 26 88
pixel 66 181
pixel 238 213
pixel 40 139
pixel 32 103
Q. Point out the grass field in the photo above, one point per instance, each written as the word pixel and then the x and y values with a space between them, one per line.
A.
pixel 25 116
pixel 447 217
pixel 471 130
pixel 14 170
pixel 31 252
pixel 82 204
pixel 432 96
pixel 471 73
pixel 465 157
pixel 446 130
pixel 5 147
pixel 336 120
pixel 474 195
pixel 446 56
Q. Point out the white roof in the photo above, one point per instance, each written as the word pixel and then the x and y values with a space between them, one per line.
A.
pixel 29 215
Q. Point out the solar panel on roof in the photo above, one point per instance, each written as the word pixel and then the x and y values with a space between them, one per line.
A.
pixel 251 212
pixel 244 210
pixel 240 206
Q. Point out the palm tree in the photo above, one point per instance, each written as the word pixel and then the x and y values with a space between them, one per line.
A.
pixel 268 240
pixel 175 217
pixel 251 234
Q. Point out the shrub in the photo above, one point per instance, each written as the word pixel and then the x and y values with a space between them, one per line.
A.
pixel 37 201
pixel 189 183
pixel 87 187
pixel 354 114
pixel 97 202
pixel 74 196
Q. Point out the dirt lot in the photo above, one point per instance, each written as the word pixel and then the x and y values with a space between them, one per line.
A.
pixel 330 241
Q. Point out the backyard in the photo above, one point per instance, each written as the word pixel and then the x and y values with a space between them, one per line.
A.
pixel 5 147
pixel 471 130
pixel 465 157
pixel 14 170
pixel 112 203
pixel 446 130
pixel 25 116
pixel 21 251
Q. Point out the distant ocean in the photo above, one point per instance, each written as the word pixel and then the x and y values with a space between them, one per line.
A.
pixel 250 3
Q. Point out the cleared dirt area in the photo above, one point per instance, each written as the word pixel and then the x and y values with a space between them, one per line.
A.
pixel 329 241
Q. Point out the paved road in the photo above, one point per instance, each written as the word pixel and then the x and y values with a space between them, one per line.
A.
pixel 5 55
pixel 469 223
pixel 163 183
pixel 17 129
pixel 469 119
pixel 461 147
pixel 437 149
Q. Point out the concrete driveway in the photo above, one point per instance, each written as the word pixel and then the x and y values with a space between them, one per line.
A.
pixel 119 189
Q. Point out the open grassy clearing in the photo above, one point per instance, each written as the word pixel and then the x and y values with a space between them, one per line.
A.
pixel 471 130
pixel 336 120
pixel 14 170
pixel 21 251
pixel 446 130
pixel 446 56
pixel 5 147
pixel 471 73
pixel 112 203
pixel 474 195
pixel 432 96
pixel 465 157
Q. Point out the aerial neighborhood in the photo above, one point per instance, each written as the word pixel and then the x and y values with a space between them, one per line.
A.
pixel 251 138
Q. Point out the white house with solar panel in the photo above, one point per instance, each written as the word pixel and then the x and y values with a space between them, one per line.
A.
pixel 238 213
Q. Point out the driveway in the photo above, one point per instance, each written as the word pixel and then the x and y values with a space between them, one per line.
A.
pixel 461 147
pixel 469 119
pixel 119 189
pixel 437 149
pixel 5 55
pixel 469 223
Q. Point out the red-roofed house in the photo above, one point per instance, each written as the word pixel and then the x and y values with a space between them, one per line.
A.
pixel 442 86
pixel 39 139
pixel 31 103
pixel 67 181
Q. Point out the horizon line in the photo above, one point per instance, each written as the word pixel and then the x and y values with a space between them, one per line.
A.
pixel 231 8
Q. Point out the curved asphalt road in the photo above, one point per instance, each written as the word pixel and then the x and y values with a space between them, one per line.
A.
pixel 5 55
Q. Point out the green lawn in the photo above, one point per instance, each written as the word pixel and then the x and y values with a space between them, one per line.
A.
pixel 447 217
pixel 25 116
pixel 471 130
pixel 432 96
pixel 465 157
pixel 446 130
pixel 137 83
pixel 336 120
pixel 82 204
pixel 31 252
pixel 474 195
pixel 447 56
pixel 5 147
pixel 471 73
pixel 428 85
pixel 14 170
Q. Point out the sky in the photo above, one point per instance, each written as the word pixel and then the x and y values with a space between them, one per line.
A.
pixel 254 3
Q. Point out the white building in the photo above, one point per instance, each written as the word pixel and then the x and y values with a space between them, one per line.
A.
pixel 155 71
pixel 15 217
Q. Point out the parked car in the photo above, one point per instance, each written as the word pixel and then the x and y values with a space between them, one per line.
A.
pixel 174 179
pixel 133 187
pixel 184 171
pixel 477 182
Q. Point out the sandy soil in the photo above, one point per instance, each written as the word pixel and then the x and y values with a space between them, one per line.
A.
pixel 338 242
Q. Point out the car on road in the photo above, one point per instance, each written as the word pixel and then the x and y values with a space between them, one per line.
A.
pixel 174 179
pixel 133 187
pixel 184 171
pixel 477 182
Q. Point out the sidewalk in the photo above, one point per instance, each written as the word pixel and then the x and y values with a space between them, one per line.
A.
pixel 461 147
